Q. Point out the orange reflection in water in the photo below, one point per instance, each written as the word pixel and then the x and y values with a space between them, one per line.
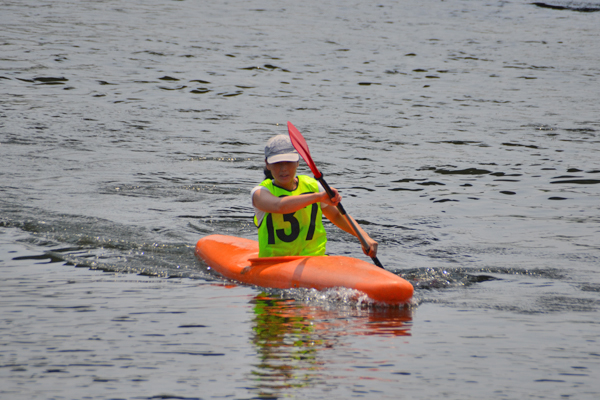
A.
pixel 289 335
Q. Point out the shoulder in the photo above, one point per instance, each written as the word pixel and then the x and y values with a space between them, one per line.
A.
pixel 266 184
pixel 256 189
pixel 309 182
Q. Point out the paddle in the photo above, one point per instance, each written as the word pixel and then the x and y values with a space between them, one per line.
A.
pixel 302 148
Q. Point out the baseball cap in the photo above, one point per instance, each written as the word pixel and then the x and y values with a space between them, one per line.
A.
pixel 279 148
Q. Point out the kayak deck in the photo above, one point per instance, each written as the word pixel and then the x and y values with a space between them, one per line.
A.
pixel 237 259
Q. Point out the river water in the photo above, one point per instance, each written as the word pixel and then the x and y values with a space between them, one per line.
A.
pixel 463 136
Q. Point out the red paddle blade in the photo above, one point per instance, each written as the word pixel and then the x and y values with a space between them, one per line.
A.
pixel 302 149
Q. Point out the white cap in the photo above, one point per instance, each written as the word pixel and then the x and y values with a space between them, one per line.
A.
pixel 279 148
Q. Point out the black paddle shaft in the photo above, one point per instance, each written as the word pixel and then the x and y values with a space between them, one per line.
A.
pixel 350 221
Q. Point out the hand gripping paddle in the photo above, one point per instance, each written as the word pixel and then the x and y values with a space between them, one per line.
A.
pixel 302 148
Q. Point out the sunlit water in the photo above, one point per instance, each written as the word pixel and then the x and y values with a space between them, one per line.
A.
pixel 462 135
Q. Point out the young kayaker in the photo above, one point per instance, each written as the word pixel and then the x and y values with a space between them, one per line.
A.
pixel 289 209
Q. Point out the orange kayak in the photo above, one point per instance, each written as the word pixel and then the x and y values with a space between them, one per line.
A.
pixel 237 259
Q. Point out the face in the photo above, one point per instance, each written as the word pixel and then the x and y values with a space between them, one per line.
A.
pixel 284 173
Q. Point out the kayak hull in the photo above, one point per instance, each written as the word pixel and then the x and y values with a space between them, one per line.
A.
pixel 237 259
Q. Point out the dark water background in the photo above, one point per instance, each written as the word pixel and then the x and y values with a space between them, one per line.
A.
pixel 463 135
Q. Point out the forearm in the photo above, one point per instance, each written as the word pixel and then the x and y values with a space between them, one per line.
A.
pixel 290 204
pixel 341 222
pixel 284 205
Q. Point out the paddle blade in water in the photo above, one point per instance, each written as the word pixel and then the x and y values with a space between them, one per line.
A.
pixel 302 148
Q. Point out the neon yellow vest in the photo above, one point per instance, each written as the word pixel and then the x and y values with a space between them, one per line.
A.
pixel 297 234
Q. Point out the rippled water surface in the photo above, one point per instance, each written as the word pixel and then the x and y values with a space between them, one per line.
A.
pixel 463 136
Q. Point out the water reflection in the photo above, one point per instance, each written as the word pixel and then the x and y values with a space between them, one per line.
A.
pixel 289 336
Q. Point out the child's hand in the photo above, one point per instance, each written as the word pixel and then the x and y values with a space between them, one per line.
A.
pixel 337 198
pixel 372 248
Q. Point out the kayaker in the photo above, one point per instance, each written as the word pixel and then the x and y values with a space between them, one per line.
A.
pixel 289 209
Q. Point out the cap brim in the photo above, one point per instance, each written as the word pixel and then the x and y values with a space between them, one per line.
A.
pixel 289 157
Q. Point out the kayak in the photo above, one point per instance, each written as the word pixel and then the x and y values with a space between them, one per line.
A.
pixel 237 259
